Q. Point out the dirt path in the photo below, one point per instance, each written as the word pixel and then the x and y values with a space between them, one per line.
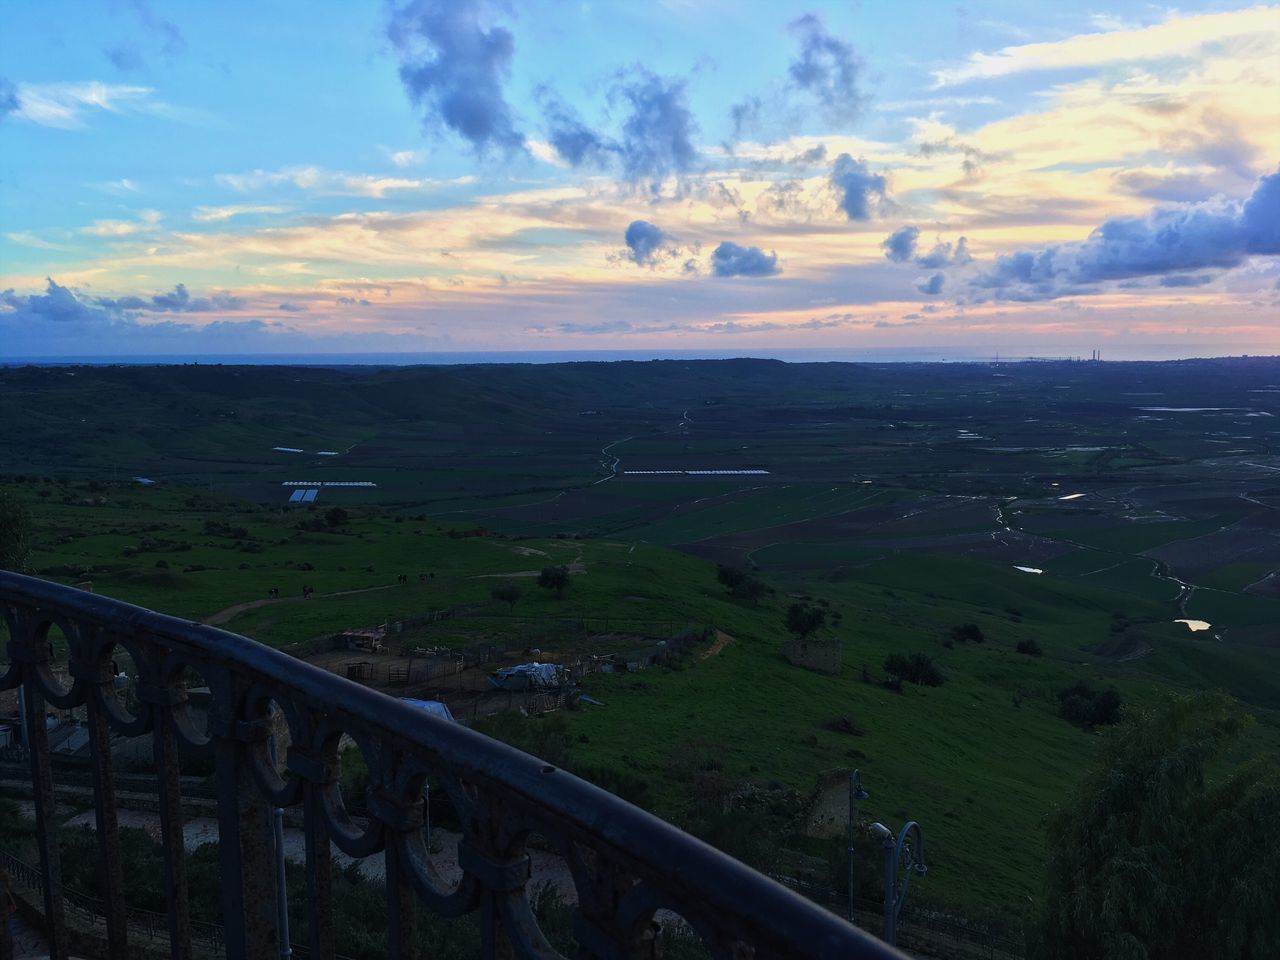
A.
pixel 230 613
pixel 722 640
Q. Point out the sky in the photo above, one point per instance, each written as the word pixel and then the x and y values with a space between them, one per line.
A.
pixel 718 176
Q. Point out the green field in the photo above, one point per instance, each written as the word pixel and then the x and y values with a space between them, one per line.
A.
pixel 486 474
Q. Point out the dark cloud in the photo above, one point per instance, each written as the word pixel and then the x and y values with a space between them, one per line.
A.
pixel 8 98
pixel 124 57
pixel 827 68
pixel 932 286
pixel 171 38
pixel 1186 280
pixel 657 137
pixel 860 189
pixel 177 300
pixel 1169 240
pixel 813 156
pixel 731 260
pixel 574 141
pixel 58 304
pixel 293 307
pixel 454 70
pixel 644 242
pixel 900 246
pixel 944 254
pixel 352 302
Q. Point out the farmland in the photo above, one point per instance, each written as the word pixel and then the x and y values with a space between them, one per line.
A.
pixel 899 499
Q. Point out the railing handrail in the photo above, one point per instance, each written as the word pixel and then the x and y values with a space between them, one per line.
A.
pixel 681 869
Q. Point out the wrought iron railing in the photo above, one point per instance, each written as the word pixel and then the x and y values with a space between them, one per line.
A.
pixel 626 865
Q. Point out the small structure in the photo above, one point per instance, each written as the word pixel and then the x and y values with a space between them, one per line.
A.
pixel 371 640
pixel 813 653
pixel 530 676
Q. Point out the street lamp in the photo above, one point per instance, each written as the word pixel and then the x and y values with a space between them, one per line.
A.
pixel 899 855
pixel 856 793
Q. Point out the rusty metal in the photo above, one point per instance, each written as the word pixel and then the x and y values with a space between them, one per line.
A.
pixel 626 864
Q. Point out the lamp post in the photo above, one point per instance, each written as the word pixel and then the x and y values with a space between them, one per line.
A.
pixel 899 856
pixel 856 793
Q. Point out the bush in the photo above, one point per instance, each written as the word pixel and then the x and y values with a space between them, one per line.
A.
pixel 1085 707
pixel 1029 647
pixel 965 632
pixel 917 668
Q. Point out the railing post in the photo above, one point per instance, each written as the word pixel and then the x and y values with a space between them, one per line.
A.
pixel 104 806
pixel 162 698
pixel 244 828
pixel 46 823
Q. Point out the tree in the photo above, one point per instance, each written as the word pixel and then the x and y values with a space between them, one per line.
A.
pixel 729 576
pixel 1151 859
pixel 15 533
pixel 740 583
pixel 803 619
pixel 336 517
pixel 555 578
pixel 507 592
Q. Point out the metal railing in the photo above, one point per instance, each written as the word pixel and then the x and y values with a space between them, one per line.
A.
pixel 625 864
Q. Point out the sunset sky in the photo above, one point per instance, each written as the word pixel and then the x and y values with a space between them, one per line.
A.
pixel 726 176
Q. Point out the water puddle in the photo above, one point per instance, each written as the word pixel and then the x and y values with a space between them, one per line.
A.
pixel 1028 569
pixel 1195 626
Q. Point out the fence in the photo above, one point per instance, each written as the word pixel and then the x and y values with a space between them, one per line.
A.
pixel 625 865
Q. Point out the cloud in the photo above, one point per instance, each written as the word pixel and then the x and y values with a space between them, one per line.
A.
pixel 944 254
pixel 644 240
pixel 124 57
pixel 1176 37
pixel 454 70
pixel 293 307
pixel 64 105
pixel 1186 280
pixel 58 304
pixel 8 98
pixel 220 214
pixel 731 260
pixel 1168 240
pixel 325 181
pixel 657 138
pixel 900 246
pixel 745 116
pixel 827 68
pixel 170 36
pixel 573 140
pixel 177 300
pixel 859 188
pixel 932 286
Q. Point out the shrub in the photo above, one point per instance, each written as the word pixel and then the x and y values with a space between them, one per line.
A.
pixel 965 632
pixel 916 668
pixel 1029 647
pixel 1085 707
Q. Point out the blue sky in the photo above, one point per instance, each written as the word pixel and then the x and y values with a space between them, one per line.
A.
pixel 686 174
